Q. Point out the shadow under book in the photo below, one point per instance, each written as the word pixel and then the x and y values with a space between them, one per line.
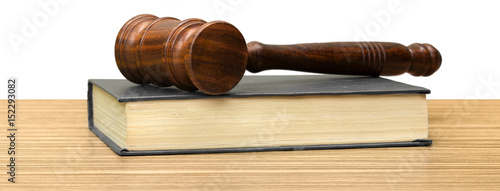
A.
pixel 262 113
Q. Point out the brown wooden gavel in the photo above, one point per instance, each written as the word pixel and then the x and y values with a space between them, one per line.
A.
pixel 212 56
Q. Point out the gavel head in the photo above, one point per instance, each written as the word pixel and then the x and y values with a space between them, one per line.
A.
pixel 191 54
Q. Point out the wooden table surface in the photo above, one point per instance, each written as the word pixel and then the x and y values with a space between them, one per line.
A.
pixel 55 150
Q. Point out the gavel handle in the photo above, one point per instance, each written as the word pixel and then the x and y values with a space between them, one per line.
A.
pixel 357 58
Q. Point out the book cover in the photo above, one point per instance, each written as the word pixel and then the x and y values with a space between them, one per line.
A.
pixel 256 86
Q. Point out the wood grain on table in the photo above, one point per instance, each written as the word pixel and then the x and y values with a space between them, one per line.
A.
pixel 55 150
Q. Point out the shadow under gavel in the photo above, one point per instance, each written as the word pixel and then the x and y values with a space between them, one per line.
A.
pixel 212 56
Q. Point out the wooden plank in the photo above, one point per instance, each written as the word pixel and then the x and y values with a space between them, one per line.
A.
pixel 57 151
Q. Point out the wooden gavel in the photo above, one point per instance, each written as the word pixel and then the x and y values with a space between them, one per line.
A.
pixel 212 56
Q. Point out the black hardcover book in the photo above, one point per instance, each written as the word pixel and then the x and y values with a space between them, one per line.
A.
pixel 262 113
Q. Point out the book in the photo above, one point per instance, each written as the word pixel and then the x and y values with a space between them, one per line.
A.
pixel 262 113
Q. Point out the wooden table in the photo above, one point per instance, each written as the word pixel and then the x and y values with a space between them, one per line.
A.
pixel 55 149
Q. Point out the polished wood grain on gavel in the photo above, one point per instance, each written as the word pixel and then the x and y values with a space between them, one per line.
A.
pixel 212 56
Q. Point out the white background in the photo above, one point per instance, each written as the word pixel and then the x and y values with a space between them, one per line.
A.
pixel 73 41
